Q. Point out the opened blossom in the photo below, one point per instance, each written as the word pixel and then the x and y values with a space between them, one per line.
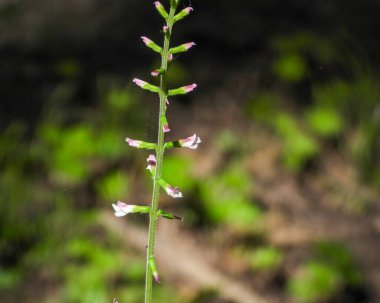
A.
pixel 122 209
pixel 190 142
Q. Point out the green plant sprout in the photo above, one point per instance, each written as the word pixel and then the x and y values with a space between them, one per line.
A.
pixel 155 162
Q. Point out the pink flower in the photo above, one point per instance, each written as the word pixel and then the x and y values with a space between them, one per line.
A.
pixel 188 10
pixel 166 128
pixel 167 101
pixel 122 209
pixel 133 143
pixel 190 142
pixel 157 4
pixel 155 73
pixel 189 88
pixel 139 82
pixel 173 191
pixel 165 28
pixel 189 45
pixel 171 57
pixel 146 40
pixel 151 162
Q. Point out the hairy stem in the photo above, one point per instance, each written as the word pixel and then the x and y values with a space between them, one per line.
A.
pixel 153 216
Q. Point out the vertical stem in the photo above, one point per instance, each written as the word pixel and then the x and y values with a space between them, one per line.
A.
pixel 159 156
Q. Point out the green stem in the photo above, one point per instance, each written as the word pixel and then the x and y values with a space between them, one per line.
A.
pixel 153 215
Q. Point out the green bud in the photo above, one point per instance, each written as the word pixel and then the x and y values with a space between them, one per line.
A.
pixel 161 10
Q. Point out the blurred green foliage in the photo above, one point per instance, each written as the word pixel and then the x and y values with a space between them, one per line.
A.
pixel 226 199
pixel 332 269
pixel 298 146
pixel 266 258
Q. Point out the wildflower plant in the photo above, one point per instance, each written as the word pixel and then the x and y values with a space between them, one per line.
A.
pixel 155 159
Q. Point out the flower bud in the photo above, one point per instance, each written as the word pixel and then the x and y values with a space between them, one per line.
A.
pixel 149 43
pixel 183 13
pixel 153 269
pixel 146 85
pixel 182 48
pixel 157 72
pixel 182 90
pixel 121 209
pixel 140 144
pixel 169 216
pixel 165 124
pixel 161 10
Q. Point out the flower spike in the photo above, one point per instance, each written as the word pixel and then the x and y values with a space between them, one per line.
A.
pixel 160 8
pixel 183 13
pixel 121 209
pixel 146 85
pixel 140 144
pixel 182 90
pixel 182 48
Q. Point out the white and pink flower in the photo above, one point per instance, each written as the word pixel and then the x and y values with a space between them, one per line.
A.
pixel 189 88
pixel 122 209
pixel 190 142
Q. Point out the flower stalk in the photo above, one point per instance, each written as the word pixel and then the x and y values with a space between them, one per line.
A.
pixel 155 162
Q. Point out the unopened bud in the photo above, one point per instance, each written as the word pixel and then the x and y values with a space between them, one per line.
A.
pixel 182 90
pixel 161 10
pixel 182 48
pixel 183 13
